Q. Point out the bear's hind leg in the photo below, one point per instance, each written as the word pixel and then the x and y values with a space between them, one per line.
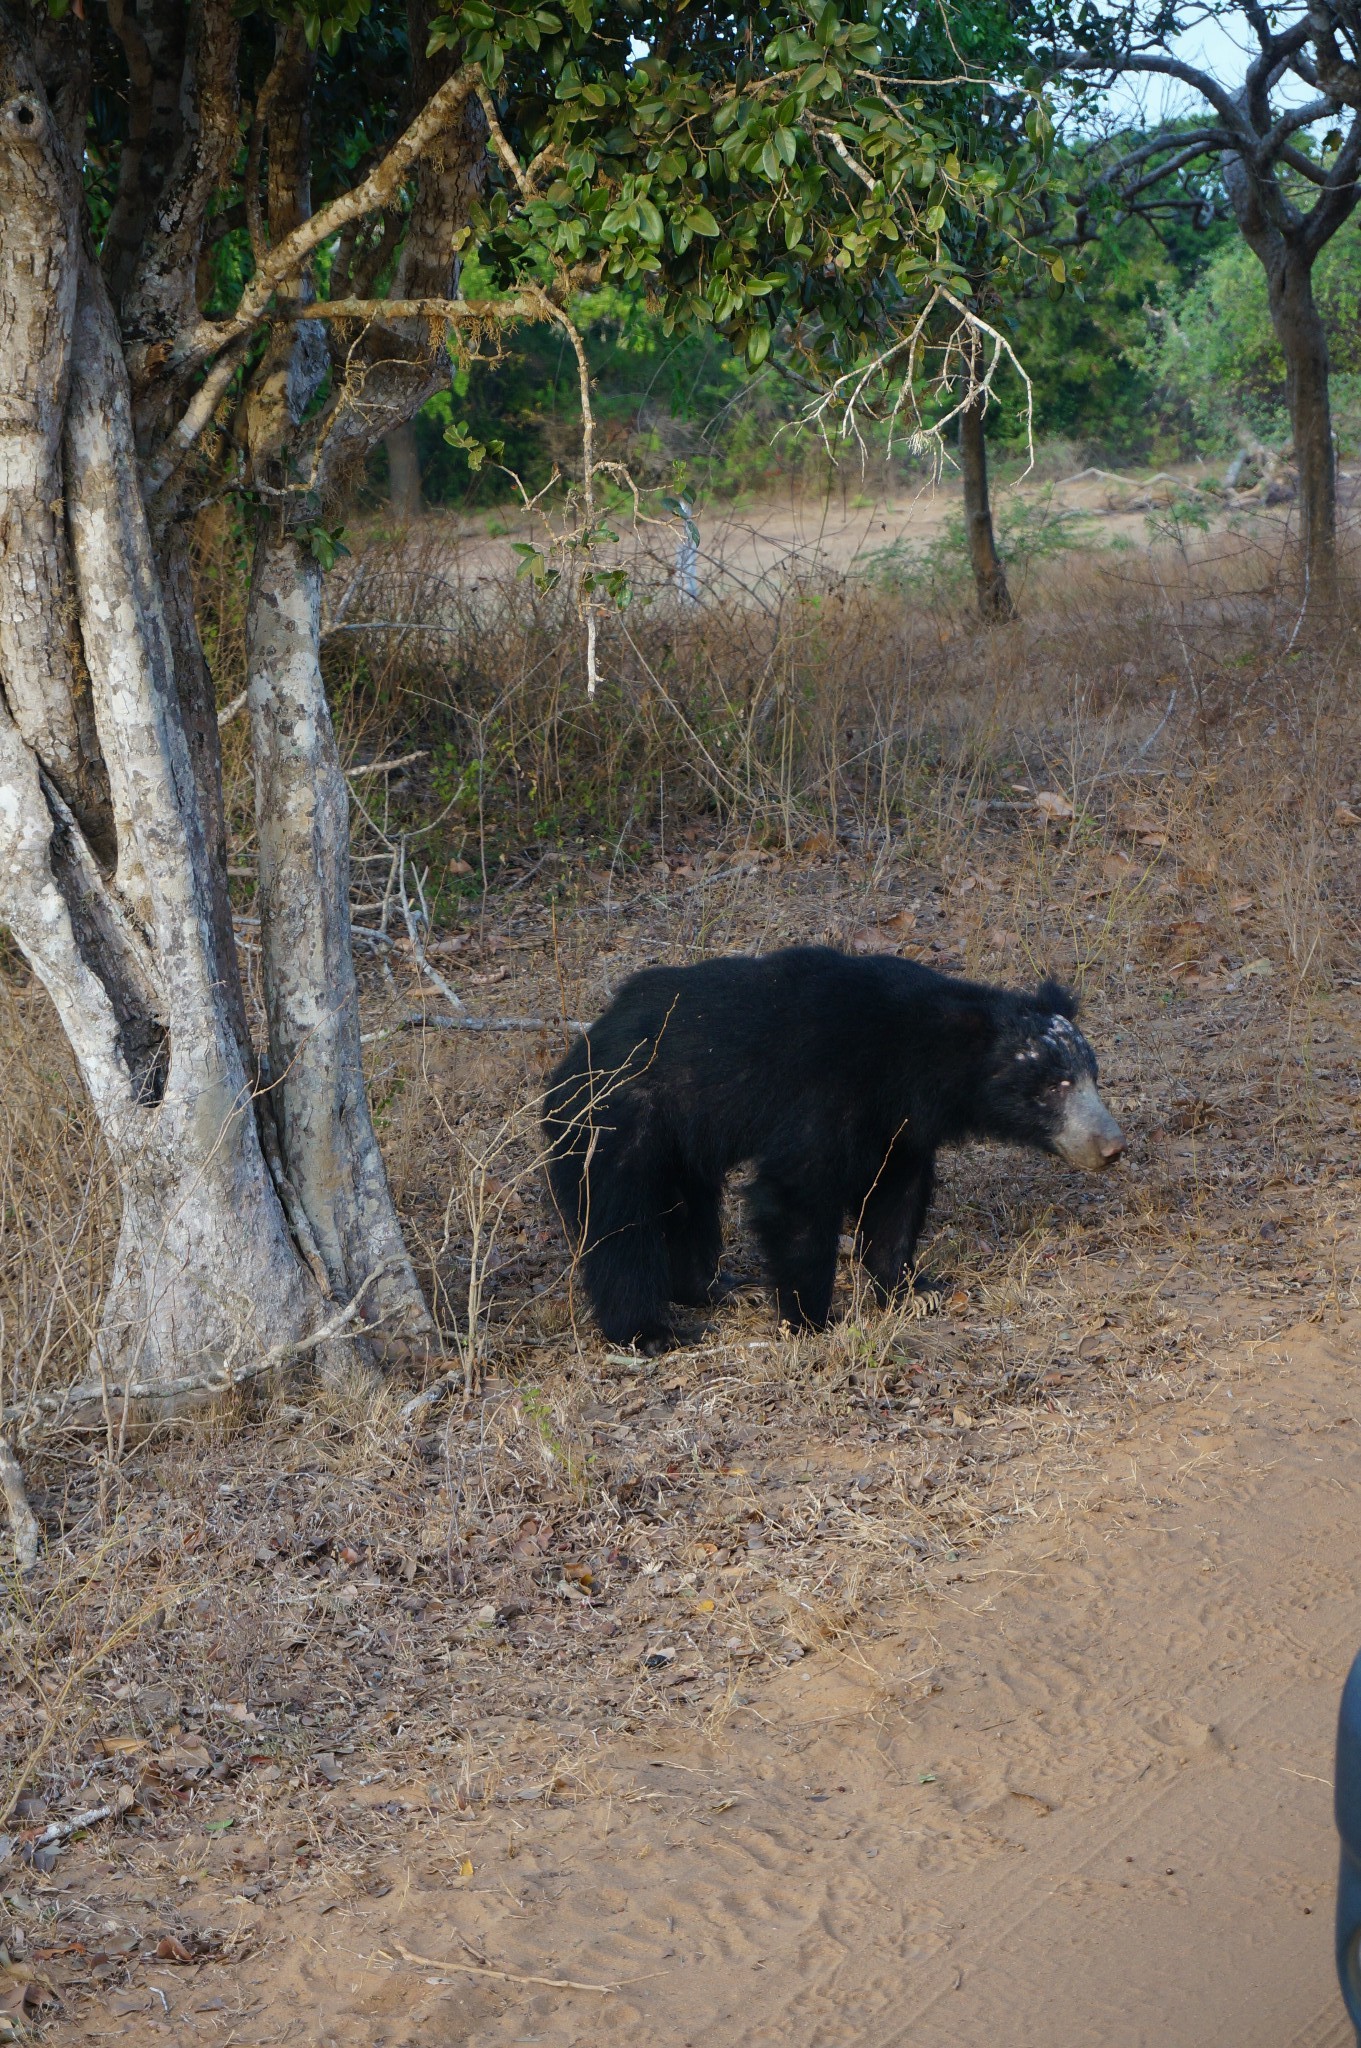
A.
pixel 694 1243
pixel 798 1237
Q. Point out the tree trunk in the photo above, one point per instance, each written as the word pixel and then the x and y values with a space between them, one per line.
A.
pixel 330 1152
pixel 1287 248
pixel 404 473
pixel 246 1203
pixel 990 578
pixel 205 1270
pixel 1299 329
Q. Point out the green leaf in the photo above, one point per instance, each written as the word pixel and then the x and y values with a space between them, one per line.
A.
pixel 758 347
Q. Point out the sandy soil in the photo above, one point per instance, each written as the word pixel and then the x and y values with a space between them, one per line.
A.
pixel 757 548
pixel 1077 1794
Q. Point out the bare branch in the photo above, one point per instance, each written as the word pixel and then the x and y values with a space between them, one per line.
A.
pixel 379 190
pixel 1337 74
pixel 1154 64
pixel 1198 138
pixel 502 147
pixel 856 168
pixel 1265 71
pixel 1276 137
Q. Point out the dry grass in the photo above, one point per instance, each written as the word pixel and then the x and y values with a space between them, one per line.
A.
pixel 588 1540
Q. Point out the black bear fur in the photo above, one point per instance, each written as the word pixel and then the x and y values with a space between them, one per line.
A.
pixel 836 1078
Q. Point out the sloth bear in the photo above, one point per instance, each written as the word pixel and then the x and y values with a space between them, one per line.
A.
pixel 836 1078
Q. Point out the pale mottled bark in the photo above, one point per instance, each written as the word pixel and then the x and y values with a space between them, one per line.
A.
pixel 39 647
pixel 205 1269
pixel 240 1217
pixel 302 821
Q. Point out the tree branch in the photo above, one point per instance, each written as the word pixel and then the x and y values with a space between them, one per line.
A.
pixel 1337 201
pixel 1276 137
pixel 1156 65
pixel 1265 70
pixel 1200 138
pixel 1337 74
pixel 160 298
pixel 284 55
pixel 381 189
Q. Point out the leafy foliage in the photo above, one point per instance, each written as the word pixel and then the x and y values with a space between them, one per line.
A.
pixel 1214 350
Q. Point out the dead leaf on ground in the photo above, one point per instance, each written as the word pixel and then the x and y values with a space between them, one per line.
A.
pixel 1052 807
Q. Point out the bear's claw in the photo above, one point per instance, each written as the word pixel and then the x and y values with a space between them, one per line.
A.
pixel 928 1302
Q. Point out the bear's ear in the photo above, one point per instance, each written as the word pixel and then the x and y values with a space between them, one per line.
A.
pixel 1056 999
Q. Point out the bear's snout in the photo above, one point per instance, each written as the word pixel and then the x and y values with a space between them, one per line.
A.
pixel 1089 1137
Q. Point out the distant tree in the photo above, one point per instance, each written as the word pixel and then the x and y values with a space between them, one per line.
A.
pixel 1212 349
pixel 1287 141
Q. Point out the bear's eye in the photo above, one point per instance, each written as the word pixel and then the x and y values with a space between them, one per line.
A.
pixel 1065 1084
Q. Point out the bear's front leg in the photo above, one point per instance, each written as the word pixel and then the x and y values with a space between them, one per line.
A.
pixel 798 1235
pixel 891 1219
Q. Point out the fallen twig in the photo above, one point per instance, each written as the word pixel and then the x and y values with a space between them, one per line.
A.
pixel 387 767
pixel 418 1021
pixel 504 1976
pixel 62 1830
pixel 448 1383
pixel 22 1520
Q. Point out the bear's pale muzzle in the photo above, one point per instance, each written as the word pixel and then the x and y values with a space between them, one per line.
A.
pixel 1089 1136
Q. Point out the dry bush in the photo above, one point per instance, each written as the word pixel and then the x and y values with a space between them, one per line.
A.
pixel 57 1198
pixel 1200 740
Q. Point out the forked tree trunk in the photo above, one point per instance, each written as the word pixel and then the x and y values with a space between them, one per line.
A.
pixel 205 1269
pixel 303 828
pixel 254 1196
pixel 990 578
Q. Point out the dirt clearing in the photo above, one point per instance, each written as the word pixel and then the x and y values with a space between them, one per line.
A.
pixel 951 1679
pixel 1078 1792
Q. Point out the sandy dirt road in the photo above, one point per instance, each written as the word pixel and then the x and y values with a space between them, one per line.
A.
pixel 1079 1796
